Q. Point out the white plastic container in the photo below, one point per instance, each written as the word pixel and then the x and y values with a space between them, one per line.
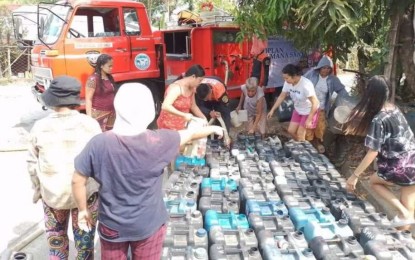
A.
pixel 238 118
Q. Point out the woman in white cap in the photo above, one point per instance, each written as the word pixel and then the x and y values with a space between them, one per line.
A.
pixel 54 143
pixel 128 162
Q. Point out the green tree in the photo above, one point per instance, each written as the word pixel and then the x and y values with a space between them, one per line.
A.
pixel 336 24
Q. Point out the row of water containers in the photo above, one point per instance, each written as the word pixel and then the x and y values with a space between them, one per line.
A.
pixel 264 200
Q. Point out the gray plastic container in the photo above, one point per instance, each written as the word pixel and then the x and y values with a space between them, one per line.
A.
pixel 256 184
pixel 388 251
pixel 270 223
pixel 221 252
pixel 183 237
pixel 223 205
pixel 336 248
pixel 359 220
pixel 271 253
pixel 282 240
pixel 175 194
pixel 180 183
pixel 337 206
pixel 259 195
pixel 194 219
pixel 403 237
pixel 188 253
pixel 239 238
pixel 303 202
pixel 227 171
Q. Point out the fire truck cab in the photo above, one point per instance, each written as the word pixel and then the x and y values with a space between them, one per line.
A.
pixel 72 34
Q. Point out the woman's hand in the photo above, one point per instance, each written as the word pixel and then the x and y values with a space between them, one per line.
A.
pixel 270 113
pixel 237 109
pixel 188 117
pixel 308 123
pixel 351 183
pixel 85 221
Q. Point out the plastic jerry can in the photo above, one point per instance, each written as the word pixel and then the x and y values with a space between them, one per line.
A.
pixel 189 253
pixel 403 237
pixel 20 256
pixel 259 195
pixel 180 206
pixel 256 184
pixel 194 219
pixel 282 240
pixel 300 217
pixel 228 194
pixel 225 220
pixel 223 205
pixel 386 251
pixel 229 173
pixel 239 238
pixel 271 253
pixel 327 230
pixel 305 202
pixel 276 168
pixel 359 220
pixel 270 223
pixel 182 237
pixel 180 194
pixel 337 206
pixel 208 185
pixel 189 161
pixel 221 252
pixel 336 248
pixel 180 182
pixel 266 208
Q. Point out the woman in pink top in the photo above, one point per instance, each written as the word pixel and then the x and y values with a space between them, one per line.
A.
pixel 100 93
pixel 179 104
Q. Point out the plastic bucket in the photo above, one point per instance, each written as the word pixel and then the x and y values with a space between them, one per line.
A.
pixel 238 118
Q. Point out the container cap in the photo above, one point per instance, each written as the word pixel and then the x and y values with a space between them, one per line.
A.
pixel 200 253
pixel 201 232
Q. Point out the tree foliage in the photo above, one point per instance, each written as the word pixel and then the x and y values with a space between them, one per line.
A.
pixel 328 23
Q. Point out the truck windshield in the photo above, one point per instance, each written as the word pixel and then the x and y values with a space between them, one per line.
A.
pixel 53 22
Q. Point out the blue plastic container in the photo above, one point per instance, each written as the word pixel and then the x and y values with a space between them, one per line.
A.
pixel 327 230
pixel 301 217
pixel 180 206
pixel 266 208
pixel 191 161
pixel 225 220
pixel 209 185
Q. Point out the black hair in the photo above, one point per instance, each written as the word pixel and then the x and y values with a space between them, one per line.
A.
pixel 195 70
pixel 101 61
pixel 203 91
pixel 374 97
pixel 292 70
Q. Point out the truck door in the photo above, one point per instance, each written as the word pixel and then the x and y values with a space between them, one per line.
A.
pixel 95 30
pixel 141 42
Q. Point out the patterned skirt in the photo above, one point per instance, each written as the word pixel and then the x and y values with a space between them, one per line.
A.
pixel 400 171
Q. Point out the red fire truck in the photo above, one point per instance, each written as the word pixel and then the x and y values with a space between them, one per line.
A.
pixel 73 33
